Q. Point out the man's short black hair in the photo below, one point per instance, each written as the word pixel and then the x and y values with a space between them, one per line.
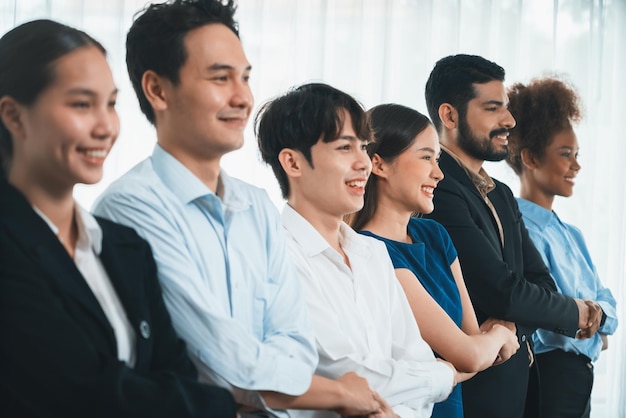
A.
pixel 155 41
pixel 452 81
pixel 302 117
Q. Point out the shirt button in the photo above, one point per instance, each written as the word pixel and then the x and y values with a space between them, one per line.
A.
pixel 523 338
pixel 144 329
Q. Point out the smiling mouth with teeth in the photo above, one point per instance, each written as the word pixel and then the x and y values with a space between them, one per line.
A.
pixel 95 153
pixel 356 184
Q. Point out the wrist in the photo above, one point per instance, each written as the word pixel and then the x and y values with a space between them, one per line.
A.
pixel 340 396
pixel 603 320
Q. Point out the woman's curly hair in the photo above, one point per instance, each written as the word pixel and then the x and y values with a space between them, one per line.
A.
pixel 541 109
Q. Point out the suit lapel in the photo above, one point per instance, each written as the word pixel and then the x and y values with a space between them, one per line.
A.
pixel 452 169
pixel 507 219
pixel 120 258
pixel 124 258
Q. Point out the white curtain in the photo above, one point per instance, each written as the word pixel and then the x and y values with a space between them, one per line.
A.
pixel 382 51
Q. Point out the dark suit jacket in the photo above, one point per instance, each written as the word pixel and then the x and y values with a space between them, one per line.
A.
pixel 58 355
pixel 509 283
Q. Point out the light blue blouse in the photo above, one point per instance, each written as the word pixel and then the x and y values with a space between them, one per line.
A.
pixel 564 251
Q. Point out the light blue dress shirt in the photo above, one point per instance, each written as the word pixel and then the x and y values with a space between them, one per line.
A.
pixel 564 251
pixel 227 280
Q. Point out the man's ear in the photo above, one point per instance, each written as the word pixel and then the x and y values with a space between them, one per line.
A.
pixel 379 167
pixel 291 161
pixel 153 86
pixel 529 159
pixel 11 116
pixel 449 116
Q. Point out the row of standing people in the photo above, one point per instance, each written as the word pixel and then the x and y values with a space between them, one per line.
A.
pixel 298 313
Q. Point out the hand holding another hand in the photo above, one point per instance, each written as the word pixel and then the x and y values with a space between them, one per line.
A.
pixel 490 322
pixel 589 318
pixel 510 346
pixel 384 411
pixel 362 400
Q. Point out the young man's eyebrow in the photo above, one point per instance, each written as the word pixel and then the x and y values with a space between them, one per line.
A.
pixel 220 67
pixel 351 138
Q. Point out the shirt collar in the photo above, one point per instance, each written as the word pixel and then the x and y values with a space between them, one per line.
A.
pixel 187 187
pixel 312 242
pixel 481 180
pixel 303 232
pixel 89 231
pixel 536 214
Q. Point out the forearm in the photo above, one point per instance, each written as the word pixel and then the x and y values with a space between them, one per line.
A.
pixel 531 306
pixel 463 376
pixel 217 342
pixel 348 395
pixel 482 350
pixel 325 394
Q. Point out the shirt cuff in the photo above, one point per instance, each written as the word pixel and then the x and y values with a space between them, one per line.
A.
pixel 404 411
pixel 442 382
pixel 254 399
pixel 609 318
pixel 285 375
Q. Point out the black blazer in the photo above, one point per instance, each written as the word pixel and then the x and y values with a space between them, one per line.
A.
pixel 58 355
pixel 510 283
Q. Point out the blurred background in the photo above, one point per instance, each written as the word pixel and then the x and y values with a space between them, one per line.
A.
pixel 382 51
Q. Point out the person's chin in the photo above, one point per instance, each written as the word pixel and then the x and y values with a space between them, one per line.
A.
pixel 426 209
pixel 354 207
pixel 497 156
pixel 232 145
pixel 88 179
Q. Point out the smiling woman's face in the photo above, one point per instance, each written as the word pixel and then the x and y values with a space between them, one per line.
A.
pixel 70 128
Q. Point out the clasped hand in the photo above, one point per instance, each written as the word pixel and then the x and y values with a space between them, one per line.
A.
pixel 589 318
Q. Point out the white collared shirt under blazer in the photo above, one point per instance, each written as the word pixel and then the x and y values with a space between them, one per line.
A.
pixel 87 260
pixel 362 319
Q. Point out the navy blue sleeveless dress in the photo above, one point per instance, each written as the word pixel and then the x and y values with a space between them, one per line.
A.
pixel 429 258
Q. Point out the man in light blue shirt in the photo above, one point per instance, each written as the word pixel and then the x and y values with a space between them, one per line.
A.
pixel 218 243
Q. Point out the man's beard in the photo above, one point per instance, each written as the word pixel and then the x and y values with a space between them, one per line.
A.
pixel 480 148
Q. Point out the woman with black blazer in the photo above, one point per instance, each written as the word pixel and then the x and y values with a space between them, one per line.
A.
pixel 84 330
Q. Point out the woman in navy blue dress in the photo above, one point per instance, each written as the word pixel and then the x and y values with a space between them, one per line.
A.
pixel 405 172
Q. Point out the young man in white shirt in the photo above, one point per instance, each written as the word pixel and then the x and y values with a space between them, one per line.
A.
pixel 315 138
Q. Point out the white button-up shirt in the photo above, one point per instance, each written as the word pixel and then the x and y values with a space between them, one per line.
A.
pixel 362 319
pixel 87 260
